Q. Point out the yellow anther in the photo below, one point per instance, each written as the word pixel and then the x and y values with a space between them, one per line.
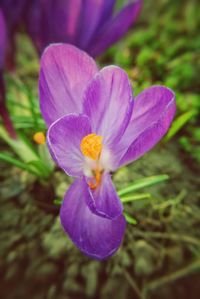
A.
pixel 39 138
pixel 91 146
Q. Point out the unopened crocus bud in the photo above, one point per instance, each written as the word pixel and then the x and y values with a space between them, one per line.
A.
pixel 39 138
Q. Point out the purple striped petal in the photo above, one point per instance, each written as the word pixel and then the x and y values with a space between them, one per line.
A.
pixel 153 113
pixel 65 72
pixel 61 20
pixel 50 21
pixel 115 28
pixel 33 22
pixel 108 103
pixel 95 236
pixel 93 14
pixel 74 10
pixel 104 200
pixel 64 138
pixel 71 21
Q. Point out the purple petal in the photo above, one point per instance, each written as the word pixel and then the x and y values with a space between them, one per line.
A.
pixel 95 236
pixel 65 72
pixel 153 113
pixel 3 109
pixel 33 26
pixel 104 200
pixel 92 15
pixel 61 20
pixel 74 10
pixel 71 21
pixel 51 21
pixel 3 39
pixel 108 103
pixel 13 10
pixel 64 138
pixel 115 28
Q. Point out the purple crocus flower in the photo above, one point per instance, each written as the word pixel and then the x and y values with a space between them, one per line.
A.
pixel 3 109
pixel 91 25
pixel 13 11
pixel 3 39
pixel 10 16
pixel 95 127
pixel 3 43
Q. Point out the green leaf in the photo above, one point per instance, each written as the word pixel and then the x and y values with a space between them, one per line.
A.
pixel 11 160
pixel 36 168
pixel 57 202
pixel 19 105
pixel 136 197
pixel 46 157
pixel 130 219
pixel 32 108
pixel 20 146
pixel 142 183
pixel 40 168
pixel 179 123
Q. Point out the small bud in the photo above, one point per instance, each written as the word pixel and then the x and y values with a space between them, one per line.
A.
pixel 39 138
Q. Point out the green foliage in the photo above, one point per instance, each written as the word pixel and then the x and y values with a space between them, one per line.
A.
pixel 179 123
pixel 142 183
pixel 24 109
pixel 130 219
pixel 26 157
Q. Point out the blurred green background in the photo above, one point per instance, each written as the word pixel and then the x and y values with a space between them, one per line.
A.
pixel 160 255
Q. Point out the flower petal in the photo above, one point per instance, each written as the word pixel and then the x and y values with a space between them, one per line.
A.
pixel 108 103
pixel 3 39
pixel 64 138
pixel 92 15
pixel 13 11
pixel 73 11
pixel 104 200
pixel 51 21
pixel 114 29
pixel 64 74
pixel 153 113
pixel 95 236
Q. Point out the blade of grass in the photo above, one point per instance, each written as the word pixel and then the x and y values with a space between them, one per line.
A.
pixel 179 123
pixel 19 105
pixel 32 108
pixel 130 219
pixel 11 160
pixel 40 167
pixel 57 202
pixel 142 183
pixel 20 147
pixel 136 197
